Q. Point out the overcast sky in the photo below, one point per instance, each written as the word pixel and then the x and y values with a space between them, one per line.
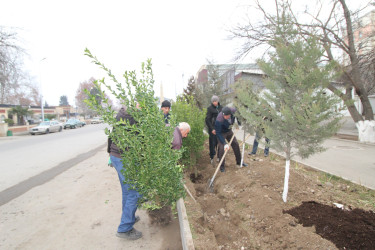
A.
pixel 179 36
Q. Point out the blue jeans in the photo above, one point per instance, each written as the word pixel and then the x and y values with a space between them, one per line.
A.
pixel 256 142
pixel 129 199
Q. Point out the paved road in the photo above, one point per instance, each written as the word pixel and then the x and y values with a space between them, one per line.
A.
pixel 78 209
pixel 23 157
pixel 348 159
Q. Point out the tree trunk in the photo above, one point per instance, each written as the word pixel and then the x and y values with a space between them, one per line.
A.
pixel 348 100
pixel 366 131
pixel 356 77
pixel 2 93
pixel 286 178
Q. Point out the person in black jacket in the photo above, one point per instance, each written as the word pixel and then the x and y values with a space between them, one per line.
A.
pixel 212 111
pixel 166 107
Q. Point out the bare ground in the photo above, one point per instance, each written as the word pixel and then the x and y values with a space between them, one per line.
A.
pixel 246 210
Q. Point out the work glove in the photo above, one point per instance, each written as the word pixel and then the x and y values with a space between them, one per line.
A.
pixel 110 162
pixel 226 147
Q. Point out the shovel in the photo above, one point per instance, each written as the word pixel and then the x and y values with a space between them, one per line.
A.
pixel 243 148
pixel 211 181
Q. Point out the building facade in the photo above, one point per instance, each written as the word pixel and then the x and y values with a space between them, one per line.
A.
pixel 61 113
pixel 229 74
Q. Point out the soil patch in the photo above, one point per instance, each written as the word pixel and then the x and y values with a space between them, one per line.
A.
pixel 161 217
pixel 246 210
pixel 348 229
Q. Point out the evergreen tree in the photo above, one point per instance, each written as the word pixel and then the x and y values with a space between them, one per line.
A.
pixel 21 113
pixel 192 91
pixel 213 85
pixel 64 100
pixel 301 115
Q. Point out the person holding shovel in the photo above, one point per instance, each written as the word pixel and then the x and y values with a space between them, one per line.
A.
pixel 223 128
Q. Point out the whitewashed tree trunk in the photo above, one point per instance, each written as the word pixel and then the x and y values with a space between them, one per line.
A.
pixel 286 180
pixel 366 131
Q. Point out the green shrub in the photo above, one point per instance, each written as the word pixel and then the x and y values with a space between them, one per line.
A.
pixel 9 121
pixel 50 116
pixel 186 110
pixel 151 164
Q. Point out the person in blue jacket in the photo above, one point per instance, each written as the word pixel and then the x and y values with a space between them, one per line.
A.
pixel 223 127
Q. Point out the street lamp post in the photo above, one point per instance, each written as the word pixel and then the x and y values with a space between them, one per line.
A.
pixel 175 82
pixel 41 89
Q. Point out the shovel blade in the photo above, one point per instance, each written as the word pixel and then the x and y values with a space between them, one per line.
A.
pixel 210 186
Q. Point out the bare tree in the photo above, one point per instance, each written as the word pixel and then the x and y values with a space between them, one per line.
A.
pixel 334 31
pixel 81 96
pixel 9 64
pixel 16 86
pixel 367 66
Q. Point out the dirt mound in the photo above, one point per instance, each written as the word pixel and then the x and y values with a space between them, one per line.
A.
pixel 161 217
pixel 348 229
pixel 246 210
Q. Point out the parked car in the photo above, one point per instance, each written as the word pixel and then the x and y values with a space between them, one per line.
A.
pixel 46 127
pixel 96 121
pixel 72 123
pixel 83 123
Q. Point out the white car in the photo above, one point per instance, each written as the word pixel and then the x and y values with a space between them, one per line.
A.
pixel 46 127
pixel 96 121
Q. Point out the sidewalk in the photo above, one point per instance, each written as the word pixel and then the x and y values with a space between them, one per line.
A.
pixel 347 159
pixel 348 129
pixel 78 209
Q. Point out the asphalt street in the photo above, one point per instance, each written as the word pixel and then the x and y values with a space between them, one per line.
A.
pixel 23 157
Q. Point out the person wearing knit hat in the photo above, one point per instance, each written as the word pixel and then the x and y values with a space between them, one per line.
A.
pixel 223 124
pixel 214 98
pixel 166 107
pixel 212 111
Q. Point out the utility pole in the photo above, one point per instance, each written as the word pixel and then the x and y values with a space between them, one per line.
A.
pixel 41 89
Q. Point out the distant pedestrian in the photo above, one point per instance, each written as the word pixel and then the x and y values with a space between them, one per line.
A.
pixel 166 107
pixel 258 135
pixel 181 131
pixel 223 127
pixel 212 112
pixel 129 196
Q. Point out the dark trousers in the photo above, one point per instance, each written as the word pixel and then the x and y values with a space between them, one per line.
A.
pixel 213 144
pixel 234 145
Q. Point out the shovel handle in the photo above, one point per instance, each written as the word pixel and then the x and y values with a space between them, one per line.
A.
pixel 222 159
pixel 245 139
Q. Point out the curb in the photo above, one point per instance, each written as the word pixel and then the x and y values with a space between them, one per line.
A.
pixel 186 236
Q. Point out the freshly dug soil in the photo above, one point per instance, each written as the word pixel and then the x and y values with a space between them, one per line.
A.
pixel 246 210
pixel 347 229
